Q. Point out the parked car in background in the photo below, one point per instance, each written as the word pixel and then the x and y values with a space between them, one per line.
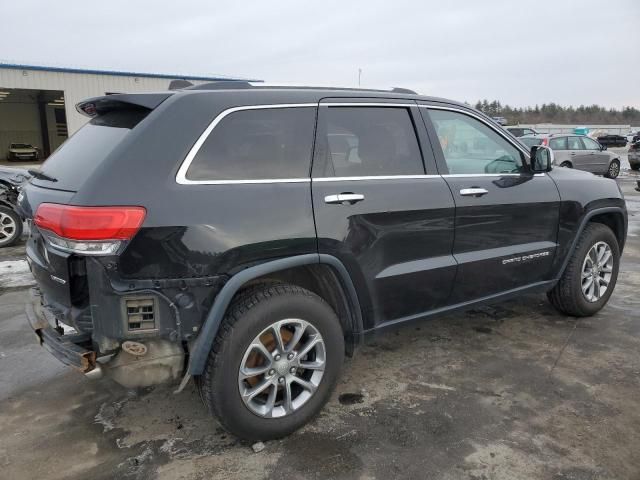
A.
pixel 11 180
pixel 634 155
pixel 500 120
pixel 20 152
pixel 521 131
pixel 579 152
pixel 612 140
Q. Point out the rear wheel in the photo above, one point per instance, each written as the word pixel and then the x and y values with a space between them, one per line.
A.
pixel 614 169
pixel 590 276
pixel 10 226
pixel 274 362
pixel 635 166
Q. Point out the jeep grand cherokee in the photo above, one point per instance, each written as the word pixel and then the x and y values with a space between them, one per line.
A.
pixel 250 237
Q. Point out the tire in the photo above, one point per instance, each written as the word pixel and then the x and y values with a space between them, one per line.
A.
pixel 614 169
pixel 10 227
pixel 635 166
pixel 566 165
pixel 249 319
pixel 567 296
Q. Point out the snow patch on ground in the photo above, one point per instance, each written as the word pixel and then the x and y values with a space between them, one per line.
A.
pixel 15 273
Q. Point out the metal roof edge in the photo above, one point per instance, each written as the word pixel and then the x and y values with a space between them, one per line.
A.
pixel 117 73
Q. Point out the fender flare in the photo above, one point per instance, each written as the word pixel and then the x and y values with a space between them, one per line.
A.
pixel 583 224
pixel 202 345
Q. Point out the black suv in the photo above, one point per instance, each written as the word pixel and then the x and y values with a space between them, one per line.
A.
pixel 250 237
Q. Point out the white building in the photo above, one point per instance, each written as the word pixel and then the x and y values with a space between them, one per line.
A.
pixel 37 104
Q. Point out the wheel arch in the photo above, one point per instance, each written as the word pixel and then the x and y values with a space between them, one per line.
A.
pixel 322 274
pixel 612 217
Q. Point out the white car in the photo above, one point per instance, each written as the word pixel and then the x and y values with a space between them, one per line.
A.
pixel 19 152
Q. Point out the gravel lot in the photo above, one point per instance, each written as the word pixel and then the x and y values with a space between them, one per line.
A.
pixel 503 392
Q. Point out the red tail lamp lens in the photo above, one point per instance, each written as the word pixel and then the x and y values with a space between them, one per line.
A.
pixel 90 223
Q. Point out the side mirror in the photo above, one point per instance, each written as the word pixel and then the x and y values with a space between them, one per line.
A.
pixel 603 147
pixel 541 159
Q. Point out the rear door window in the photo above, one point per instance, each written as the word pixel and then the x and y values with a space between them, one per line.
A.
pixel 367 141
pixel 559 143
pixel 257 144
pixel 575 143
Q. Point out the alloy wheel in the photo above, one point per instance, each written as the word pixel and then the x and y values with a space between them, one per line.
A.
pixel 614 169
pixel 7 227
pixel 597 270
pixel 282 368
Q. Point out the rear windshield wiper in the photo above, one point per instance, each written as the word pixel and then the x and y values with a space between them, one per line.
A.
pixel 41 176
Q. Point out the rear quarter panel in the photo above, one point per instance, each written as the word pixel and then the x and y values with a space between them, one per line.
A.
pixel 197 230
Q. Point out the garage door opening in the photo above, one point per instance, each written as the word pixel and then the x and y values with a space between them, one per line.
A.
pixel 33 124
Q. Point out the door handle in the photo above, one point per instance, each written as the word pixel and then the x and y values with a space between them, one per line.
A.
pixel 573 154
pixel 344 198
pixel 473 192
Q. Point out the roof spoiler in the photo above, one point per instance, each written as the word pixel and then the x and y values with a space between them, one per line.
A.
pixel 93 107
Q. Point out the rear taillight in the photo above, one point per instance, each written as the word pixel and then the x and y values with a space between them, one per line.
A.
pixel 545 142
pixel 88 230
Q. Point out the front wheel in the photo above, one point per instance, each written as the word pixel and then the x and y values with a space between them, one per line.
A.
pixel 614 169
pixel 274 363
pixel 566 165
pixel 590 276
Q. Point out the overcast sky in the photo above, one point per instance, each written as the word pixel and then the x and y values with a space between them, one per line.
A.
pixel 519 52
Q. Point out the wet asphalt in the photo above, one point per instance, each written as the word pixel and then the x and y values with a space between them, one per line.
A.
pixel 510 391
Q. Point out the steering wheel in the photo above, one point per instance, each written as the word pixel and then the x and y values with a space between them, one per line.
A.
pixel 503 164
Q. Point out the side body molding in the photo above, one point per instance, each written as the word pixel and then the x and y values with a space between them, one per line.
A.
pixel 204 342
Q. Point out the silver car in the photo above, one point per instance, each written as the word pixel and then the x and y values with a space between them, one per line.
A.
pixel 579 152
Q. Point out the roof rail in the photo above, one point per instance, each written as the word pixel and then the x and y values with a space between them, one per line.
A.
pixel 403 90
pixel 222 85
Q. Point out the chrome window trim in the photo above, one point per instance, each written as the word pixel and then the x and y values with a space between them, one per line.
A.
pixel 366 104
pixel 181 176
pixel 372 177
pixel 242 182
pixel 462 175
pixel 478 117
pixel 186 163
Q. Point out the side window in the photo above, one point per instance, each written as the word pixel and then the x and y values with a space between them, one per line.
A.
pixel 367 141
pixel 590 144
pixel 575 143
pixel 269 143
pixel 470 147
pixel 558 143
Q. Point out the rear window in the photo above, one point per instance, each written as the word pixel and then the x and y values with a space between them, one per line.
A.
pixel 74 161
pixel 257 144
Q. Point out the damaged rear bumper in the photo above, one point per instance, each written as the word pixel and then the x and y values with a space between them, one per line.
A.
pixel 71 349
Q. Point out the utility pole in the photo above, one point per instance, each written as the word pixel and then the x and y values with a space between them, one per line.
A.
pixel 359 75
